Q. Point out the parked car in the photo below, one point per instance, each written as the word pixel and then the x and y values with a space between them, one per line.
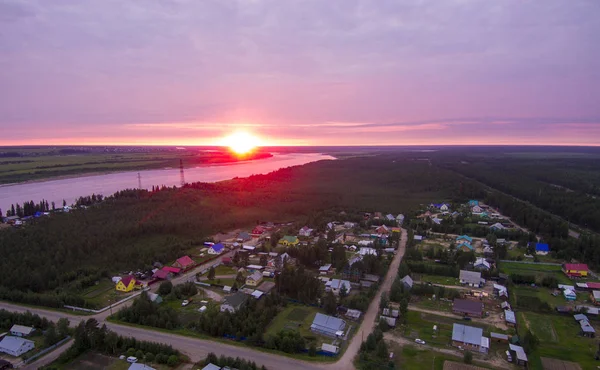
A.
pixel 420 341
pixel 131 359
pixel 185 303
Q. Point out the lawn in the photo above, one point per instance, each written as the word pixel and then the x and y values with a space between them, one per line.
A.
pixel 297 317
pixel 559 338
pixel 103 294
pixel 545 295
pixel 430 304
pixel 535 269
pixel 436 279
pixel 225 270
pixel 414 358
pixel 228 282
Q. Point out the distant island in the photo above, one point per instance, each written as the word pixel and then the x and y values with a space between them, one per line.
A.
pixel 34 163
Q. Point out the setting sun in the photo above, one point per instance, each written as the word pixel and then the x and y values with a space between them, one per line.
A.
pixel 241 142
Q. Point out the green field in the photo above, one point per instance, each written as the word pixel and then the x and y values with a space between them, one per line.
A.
pixel 436 279
pixel 103 293
pixel 545 295
pixel 559 338
pixel 535 269
pixel 296 317
pixel 410 357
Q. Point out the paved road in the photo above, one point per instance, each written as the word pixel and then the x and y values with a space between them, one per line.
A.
pixel 197 349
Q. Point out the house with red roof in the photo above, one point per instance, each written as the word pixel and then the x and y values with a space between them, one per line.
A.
pixel 184 262
pixel 257 231
pixel 575 269
pixel 127 284
pixel 162 275
pixel 172 270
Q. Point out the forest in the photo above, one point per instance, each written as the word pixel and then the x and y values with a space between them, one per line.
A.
pixel 65 253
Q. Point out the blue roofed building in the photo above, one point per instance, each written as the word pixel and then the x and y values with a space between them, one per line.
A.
pixel 216 249
pixel 542 249
pixel 465 238
pixel 328 325
pixel 468 337
pixel 465 247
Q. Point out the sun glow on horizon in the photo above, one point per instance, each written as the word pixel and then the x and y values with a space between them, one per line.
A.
pixel 241 142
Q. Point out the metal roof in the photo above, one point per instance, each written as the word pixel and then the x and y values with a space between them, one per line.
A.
pixel 499 336
pixel 211 367
pixel 471 277
pixel 137 366
pixel 467 334
pixel 328 323
pixel 325 267
pixel 26 330
pixel 467 306
pixel 13 344
pixel 519 352
pixel 407 280
pixel 510 316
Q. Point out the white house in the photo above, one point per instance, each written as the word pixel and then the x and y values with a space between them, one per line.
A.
pixel 476 209
pixel 216 249
pixel 305 231
pixel 444 207
pixel 400 219
pixel 363 251
pixel 16 346
pixel 335 286
pixel 365 243
pixel 21 331
pixel 482 264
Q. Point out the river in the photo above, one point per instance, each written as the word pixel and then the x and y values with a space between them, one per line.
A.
pixel 70 189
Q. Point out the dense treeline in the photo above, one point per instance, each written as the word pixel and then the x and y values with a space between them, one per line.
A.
pixel 28 208
pixel 544 183
pixel 145 312
pixel 374 354
pixel 133 228
pixel 299 284
pixel 89 335
pixel 222 361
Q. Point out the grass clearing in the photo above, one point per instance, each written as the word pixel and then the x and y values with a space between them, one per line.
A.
pixel 436 279
pixel 540 271
pixel 545 294
pixel 299 318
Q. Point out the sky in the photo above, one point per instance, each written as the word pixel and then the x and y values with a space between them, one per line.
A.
pixel 310 72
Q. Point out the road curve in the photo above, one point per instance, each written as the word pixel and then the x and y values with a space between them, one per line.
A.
pixel 197 349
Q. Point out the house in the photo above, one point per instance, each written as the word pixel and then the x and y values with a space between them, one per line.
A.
pixel 390 217
pixel 465 247
pixel 389 320
pixel 586 329
pixel 510 318
pixel 363 251
pixel 471 278
pixel 137 366
pixel 211 366
pixel 16 346
pixel 466 307
pixel 330 348
pixel 21 331
pixel 542 249
pixel 257 294
pixel 497 226
pixel 575 269
pixel 335 285
pixel 305 231
pixel 473 203
pixel 254 279
pixel 519 354
pixel 365 243
pixel 468 337
pixel 383 230
pixel 353 314
pixel 505 305
pixel 216 248
pixel 488 251
pixel 289 241
pixel 153 297
pixel 171 270
pixel 569 295
pixel 464 238
pixel 184 263
pixel 497 337
pixel 328 325
pixel 444 207
pixel 407 281
pixel 476 210
pixel 400 219
pixel 324 270
pixel 391 313
pixel 233 302
pixel 127 284
pixel 481 264
pixel 162 275
pixel 257 231
pixel 418 238
pixel 501 291
pixel 243 237
pixel 596 297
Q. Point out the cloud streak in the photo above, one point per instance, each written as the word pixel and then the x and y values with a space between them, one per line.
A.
pixel 334 72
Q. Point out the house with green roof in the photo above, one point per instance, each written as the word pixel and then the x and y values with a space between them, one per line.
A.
pixel 289 241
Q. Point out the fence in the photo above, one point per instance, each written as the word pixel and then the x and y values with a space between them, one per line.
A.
pixel 74 308
pixel 51 348
pixel 532 263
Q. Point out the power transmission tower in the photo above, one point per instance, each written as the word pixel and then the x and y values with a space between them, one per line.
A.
pixel 181 172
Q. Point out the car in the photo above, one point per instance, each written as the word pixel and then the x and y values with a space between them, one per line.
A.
pixel 420 341
pixel 185 303
pixel 132 360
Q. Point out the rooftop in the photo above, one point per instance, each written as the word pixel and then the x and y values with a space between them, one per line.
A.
pixel 467 334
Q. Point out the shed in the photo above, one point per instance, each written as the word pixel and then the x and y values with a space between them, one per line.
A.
pixel 329 348
pixel 510 318
pixel 519 353
pixel 21 331
pixel 499 337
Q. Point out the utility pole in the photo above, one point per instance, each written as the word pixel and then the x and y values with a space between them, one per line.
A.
pixel 139 181
pixel 181 172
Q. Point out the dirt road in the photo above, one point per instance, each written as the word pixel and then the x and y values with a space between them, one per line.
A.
pixel 485 321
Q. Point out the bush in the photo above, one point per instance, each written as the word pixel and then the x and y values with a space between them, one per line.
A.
pixel 312 350
pixel 468 357
pixel 149 357
pixel 173 360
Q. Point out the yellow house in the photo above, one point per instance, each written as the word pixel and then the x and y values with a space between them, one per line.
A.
pixel 289 240
pixel 254 279
pixel 127 284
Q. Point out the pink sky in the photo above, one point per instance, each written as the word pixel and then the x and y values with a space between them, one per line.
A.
pixel 339 72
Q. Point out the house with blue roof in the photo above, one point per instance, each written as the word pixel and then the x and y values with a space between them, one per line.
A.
pixel 216 249
pixel 542 249
pixel 465 238
pixel 473 203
